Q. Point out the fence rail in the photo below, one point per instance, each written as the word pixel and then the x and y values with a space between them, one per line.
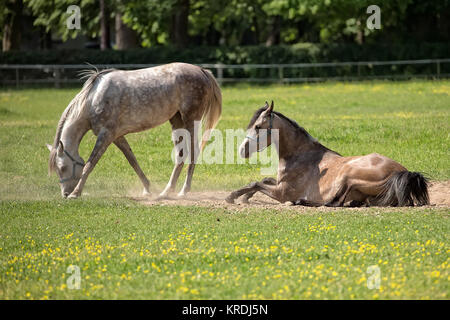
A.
pixel 56 73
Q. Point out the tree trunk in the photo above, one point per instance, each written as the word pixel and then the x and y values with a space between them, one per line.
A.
pixel 179 29
pixel 105 42
pixel 12 32
pixel 126 38
pixel 274 35
pixel 359 37
pixel 45 39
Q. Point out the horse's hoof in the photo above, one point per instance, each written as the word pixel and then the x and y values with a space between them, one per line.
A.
pixel 162 196
pixel 229 199
pixel 146 193
pixel 72 196
pixel 181 195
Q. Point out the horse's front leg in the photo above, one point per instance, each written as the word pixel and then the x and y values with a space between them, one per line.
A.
pixel 276 191
pixel 123 145
pixel 269 181
pixel 104 139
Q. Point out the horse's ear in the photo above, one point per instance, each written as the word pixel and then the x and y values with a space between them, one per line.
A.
pixel 60 148
pixel 270 108
pixel 49 147
pixel 266 105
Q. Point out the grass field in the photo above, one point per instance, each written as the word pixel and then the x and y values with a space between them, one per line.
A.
pixel 127 250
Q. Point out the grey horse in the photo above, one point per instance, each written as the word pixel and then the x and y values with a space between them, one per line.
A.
pixel 113 103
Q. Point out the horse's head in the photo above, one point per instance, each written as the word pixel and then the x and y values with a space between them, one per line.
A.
pixel 259 132
pixel 68 167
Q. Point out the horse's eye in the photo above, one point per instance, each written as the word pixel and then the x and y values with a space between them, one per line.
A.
pixel 257 127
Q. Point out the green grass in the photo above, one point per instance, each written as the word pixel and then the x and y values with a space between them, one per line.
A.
pixel 406 121
pixel 129 251
pixel 126 250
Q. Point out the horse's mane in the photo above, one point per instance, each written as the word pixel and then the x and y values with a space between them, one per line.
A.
pixel 74 109
pixel 290 121
pixel 294 124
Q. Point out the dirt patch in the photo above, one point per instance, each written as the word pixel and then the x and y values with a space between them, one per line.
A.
pixel 439 197
pixel 440 193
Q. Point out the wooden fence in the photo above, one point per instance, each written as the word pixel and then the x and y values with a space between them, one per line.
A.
pixel 18 74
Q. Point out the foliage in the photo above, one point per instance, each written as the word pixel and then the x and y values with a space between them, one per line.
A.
pixel 252 22
pixel 53 15
pixel 305 52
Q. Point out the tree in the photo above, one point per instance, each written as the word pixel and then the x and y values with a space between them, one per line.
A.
pixel 179 27
pixel 52 16
pixel 159 22
pixel 12 13
pixel 105 42
pixel 230 22
pixel 126 38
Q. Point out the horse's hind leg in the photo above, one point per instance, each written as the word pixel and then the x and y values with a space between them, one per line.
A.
pixel 341 195
pixel 177 123
pixel 193 153
pixel 357 203
pixel 348 192
pixel 104 139
pixel 123 145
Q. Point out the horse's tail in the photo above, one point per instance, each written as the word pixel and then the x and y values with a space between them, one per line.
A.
pixel 404 188
pixel 213 111
pixel 74 109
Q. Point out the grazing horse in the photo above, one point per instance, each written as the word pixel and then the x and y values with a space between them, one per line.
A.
pixel 312 175
pixel 113 103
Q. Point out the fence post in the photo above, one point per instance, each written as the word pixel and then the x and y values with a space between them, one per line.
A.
pixel 17 77
pixel 280 73
pixel 220 73
pixel 57 74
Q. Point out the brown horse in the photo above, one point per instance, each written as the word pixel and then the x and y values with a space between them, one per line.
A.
pixel 313 175
pixel 114 103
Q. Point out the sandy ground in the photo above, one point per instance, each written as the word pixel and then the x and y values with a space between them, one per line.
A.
pixel 439 198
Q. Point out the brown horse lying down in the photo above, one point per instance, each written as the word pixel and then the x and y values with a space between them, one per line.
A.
pixel 312 175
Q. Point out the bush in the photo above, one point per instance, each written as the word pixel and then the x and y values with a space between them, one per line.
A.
pixel 304 52
pixel 300 53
